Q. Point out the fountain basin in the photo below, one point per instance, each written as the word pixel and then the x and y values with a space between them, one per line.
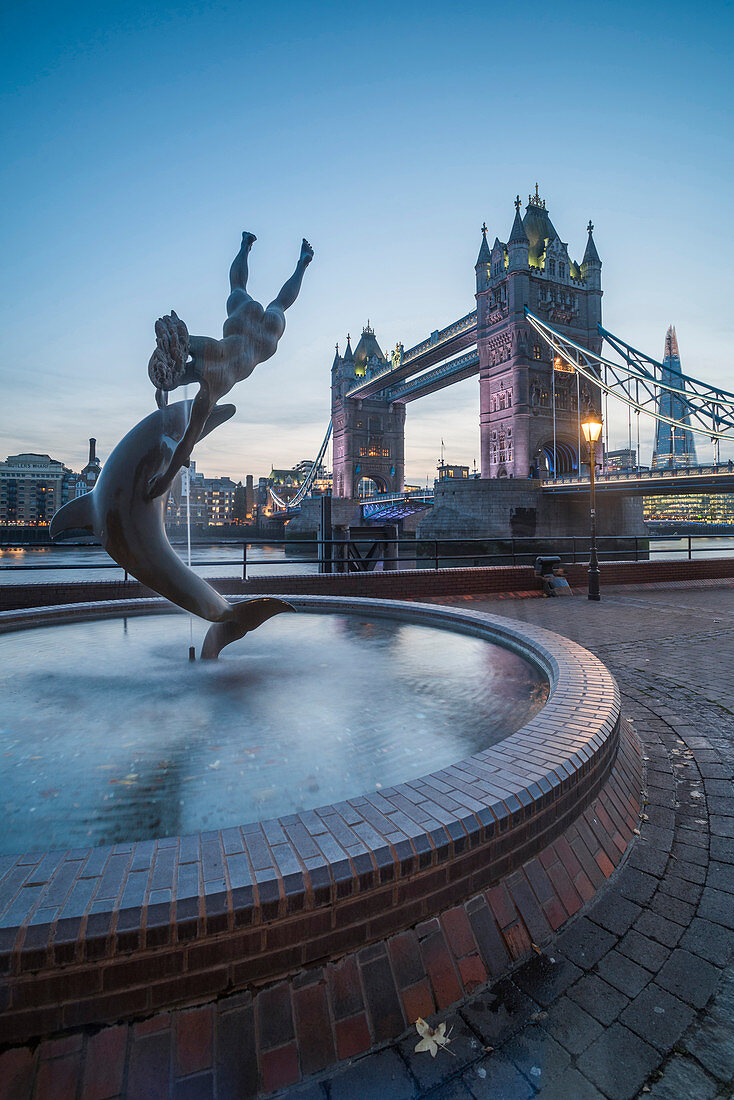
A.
pixel 90 935
pixel 110 734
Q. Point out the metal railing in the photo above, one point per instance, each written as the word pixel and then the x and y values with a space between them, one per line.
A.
pixel 364 554
pixel 679 473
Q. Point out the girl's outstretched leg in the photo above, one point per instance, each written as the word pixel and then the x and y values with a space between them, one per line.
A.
pixel 289 291
pixel 238 272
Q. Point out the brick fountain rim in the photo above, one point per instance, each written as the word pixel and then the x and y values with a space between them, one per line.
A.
pixel 275 896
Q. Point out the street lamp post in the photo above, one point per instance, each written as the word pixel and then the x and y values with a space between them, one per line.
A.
pixel 591 426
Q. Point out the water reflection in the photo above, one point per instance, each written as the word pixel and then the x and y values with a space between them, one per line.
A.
pixel 109 734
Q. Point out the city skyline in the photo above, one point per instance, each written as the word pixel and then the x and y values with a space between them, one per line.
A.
pixel 134 171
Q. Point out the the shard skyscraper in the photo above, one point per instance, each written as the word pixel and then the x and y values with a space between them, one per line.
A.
pixel 674 447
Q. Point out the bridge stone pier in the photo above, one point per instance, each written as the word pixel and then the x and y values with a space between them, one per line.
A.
pixel 518 508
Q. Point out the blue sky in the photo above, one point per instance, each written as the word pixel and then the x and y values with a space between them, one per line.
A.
pixel 138 145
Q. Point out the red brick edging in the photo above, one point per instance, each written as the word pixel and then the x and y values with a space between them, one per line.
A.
pixel 113 933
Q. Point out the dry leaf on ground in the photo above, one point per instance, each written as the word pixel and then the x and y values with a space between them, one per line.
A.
pixel 432 1038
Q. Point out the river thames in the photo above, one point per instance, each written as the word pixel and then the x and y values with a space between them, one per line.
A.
pixel 53 564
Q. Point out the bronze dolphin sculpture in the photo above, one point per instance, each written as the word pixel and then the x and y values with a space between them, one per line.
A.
pixel 128 520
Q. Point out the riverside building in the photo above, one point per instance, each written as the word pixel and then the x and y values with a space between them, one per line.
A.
pixel 31 489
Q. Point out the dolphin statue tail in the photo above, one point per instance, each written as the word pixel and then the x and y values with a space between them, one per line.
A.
pixel 76 515
pixel 246 616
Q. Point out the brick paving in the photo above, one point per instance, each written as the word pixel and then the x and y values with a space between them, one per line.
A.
pixel 634 997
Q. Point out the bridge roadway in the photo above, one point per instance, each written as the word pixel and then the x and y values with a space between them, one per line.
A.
pixel 687 480
pixel 440 345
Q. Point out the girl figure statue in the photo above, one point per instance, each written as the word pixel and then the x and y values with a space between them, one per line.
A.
pixel 250 336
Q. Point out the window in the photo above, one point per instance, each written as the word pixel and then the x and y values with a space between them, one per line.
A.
pixel 537 351
pixel 505 445
pixel 562 271
pixel 552 267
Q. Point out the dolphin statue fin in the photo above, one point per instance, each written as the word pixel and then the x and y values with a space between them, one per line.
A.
pixel 218 415
pixel 246 615
pixel 77 514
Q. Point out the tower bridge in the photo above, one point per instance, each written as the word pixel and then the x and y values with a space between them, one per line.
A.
pixel 533 271
pixel 534 340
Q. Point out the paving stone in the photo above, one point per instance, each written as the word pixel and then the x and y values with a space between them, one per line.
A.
pixel 386 1079
pixel 682 1079
pixel 649 860
pixel 496 1015
pixel 717 906
pixel 673 909
pixel 643 950
pixel 537 1054
pixel 713 1045
pixel 615 913
pixel 722 849
pixel 710 941
pixel 496 1078
pixel 691 872
pixel 681 889
pixel 658 928
pixel 721 876
pixel 544 980
pixel 721 826
pixel 585 942
pixel 662 839
pixel 662 816
pixel 571 1025
pixel 309 1091
pixel 689 854
pixel 600 999
pixel 636 885
pixel 624 974
pixel 722 1007
pixel 692 829
pixel 619 1062
pixel 719 788
pixel 688 977
pixel 571 1085
pixel 721 805
pixel 464 1048
pixel 658 1017
pixel 455 1090
pixel 194 1088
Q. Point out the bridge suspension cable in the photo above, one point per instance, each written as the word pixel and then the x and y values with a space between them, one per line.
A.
pixel 309 480
pixel 639 381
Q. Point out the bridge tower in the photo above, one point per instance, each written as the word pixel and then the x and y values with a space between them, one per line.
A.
pixel 517 376
pixel 369 433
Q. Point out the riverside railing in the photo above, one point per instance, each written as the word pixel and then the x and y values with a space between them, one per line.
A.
pixel 385 552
